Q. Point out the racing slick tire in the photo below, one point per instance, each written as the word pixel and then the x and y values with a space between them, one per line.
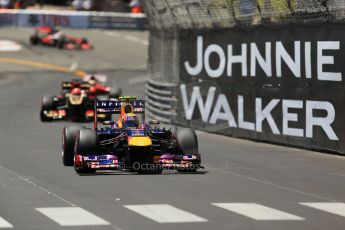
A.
pixel 115 92
pixel 86 142
pixel 34 39
pixel 69 135
pixel 188 143
pixel 47 104
pixel 61 43
pixel 187 140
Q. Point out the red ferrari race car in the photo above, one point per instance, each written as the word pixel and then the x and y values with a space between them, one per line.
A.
pixel 98 87
pixel 51 36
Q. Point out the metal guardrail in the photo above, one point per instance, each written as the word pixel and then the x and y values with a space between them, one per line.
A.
pixel 161 103
pixel 72 19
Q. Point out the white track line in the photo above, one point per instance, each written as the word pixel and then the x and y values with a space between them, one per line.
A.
pixel 112 34
pixel 72 216
pixel 132 38
pixel 144 42
pixel 164 213
pixel 257 211
pixel 139 79
pixel 127 37
pixel 37 186
pixel 336 208
pixel 226 171
pixel 4 223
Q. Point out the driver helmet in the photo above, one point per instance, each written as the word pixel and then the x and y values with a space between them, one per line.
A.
pixel 92 91
pixel 76 91
pixel 130 120
pixel 92 80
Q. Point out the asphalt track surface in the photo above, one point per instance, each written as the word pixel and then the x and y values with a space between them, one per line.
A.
pixel 264 186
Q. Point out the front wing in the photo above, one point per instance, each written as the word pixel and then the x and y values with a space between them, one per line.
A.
pixel 112 162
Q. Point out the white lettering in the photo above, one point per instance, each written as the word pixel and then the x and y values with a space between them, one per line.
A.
pixel 324 60
pixel 324 122
pixel 204 109
pixel 214 73
pixel 241 122
pixel 242 59
pixel 198 67
pixel 222 104
pixel 265 64
pixel 262 114
pixel 291 117
pixel 282 54
pixel 307 57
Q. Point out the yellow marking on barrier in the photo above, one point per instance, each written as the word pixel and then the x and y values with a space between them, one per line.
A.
pixel 41 65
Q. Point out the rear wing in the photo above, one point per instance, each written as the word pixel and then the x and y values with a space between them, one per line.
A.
pixel 117 107
pixel 68 85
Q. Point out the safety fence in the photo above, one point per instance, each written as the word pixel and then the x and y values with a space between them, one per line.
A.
pixel 165 14
pixel 72 19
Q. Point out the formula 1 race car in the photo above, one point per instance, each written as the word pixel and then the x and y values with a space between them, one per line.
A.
pixel 73 103
pixel 128 144
pixel 76 101
pixel 50 36
pixel 98 87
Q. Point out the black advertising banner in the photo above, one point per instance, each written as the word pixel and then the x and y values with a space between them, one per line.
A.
pixel 281 85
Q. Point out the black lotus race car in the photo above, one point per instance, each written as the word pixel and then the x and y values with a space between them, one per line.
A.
pixel 75 103
pixel 142 147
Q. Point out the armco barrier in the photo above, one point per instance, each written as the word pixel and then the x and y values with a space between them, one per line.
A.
pixel 72 19
pixel 160 101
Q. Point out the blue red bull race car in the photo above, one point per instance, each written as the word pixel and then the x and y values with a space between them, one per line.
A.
pixel 128 144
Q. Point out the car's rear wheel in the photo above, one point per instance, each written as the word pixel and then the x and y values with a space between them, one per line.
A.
pixel 61 43
pixel 69 134
pixel 34 39
pixel 115 92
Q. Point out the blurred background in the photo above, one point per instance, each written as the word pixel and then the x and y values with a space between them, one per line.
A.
pixel 134 6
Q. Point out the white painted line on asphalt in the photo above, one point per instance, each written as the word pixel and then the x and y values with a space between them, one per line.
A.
pixel 112 34
pixel 37 186
pixel 132 38
pixel 144 42
pixel 72 216
pixel 227 171
pixel 135 80
pixel 338 174
pixel 257 211
pixel 128 37
pixel 336 208
pixel 4 223
pixel 164 213
pixel 74 66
